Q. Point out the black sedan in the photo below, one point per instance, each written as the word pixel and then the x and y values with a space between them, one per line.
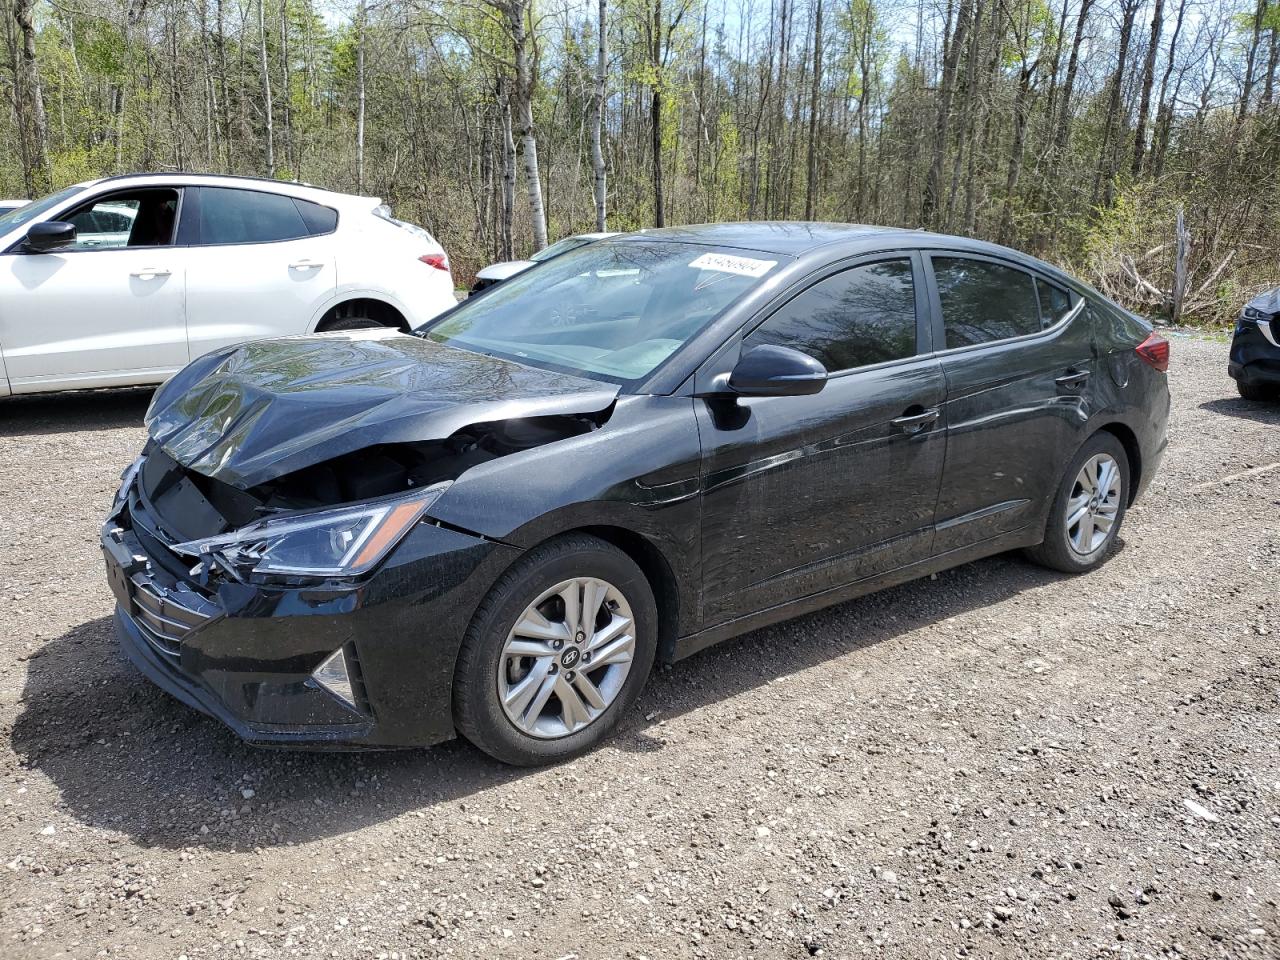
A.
pixel 495 525
pixel 1254 362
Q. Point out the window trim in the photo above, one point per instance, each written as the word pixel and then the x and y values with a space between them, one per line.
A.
pixel 198 201
pixel 19 246
pixel 939 324
pixel 924 332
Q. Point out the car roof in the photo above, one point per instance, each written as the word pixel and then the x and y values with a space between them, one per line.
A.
pixel 795 238
pixel 266 184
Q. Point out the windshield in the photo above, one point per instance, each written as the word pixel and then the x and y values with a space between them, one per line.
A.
pixel 33 210
pixel 610 311
pixel 562 246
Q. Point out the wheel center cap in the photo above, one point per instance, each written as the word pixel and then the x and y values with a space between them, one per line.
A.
pixel 570 658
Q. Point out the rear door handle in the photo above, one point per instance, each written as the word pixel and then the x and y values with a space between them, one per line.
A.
pixel 916 422
pixel 150 273
pixel 1073 380
pixel 305 265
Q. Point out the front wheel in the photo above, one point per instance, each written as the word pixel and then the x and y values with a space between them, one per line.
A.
pixel 1088 508
pixel 1256 391
pixel 557 651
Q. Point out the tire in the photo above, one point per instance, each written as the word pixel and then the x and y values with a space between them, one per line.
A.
pixel 544 726
pixel 1064 544
pixel 1256 391
pixel 356 322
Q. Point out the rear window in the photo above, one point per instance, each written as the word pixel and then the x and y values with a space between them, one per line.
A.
pixel 229 215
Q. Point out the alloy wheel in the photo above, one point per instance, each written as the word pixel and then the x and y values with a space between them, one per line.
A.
pixel 567 657
pixel 1094 504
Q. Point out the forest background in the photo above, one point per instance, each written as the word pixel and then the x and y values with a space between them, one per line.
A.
pixel 1135 142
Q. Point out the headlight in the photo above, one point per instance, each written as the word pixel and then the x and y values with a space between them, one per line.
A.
pixel 329 543
pixel 1251 313
pixel 127 478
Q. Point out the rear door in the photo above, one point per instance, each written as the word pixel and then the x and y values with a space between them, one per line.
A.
pixel 261 265
pixel 1017 355
pixel 105 310
pixel 801 494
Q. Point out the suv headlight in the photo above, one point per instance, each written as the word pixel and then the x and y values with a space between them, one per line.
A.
pixel 343 542
pixel 1252 313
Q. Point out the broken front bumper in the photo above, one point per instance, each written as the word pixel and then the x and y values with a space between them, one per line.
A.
pixel 331 664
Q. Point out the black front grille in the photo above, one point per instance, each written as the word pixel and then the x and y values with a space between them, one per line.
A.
pixel 167 616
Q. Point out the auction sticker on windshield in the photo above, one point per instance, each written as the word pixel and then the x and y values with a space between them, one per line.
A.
pixel 744 266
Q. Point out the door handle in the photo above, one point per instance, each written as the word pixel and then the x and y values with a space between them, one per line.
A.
pixel 150 273
pixel 915 422
pixel 1072 380
pixel 305 265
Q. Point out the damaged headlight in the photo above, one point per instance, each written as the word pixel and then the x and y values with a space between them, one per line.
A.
pixel 343 542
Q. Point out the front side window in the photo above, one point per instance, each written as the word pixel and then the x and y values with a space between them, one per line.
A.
pixel 984 301
pixel 852 319
pixel 137 218
pixel 609 311
pixel 229 215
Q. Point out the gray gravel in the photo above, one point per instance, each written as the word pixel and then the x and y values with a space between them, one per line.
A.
pixel 1000 761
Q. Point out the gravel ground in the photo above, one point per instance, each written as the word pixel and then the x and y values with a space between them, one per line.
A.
pixel 1000 761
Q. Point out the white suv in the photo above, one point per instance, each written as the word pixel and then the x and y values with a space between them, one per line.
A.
pixel 123 281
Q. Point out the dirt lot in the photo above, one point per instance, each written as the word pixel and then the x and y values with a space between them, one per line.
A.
pixel 997 762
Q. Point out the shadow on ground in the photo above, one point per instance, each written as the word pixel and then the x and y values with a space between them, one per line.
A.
pixel 78 411
pixel 127 758
pixel 1245 409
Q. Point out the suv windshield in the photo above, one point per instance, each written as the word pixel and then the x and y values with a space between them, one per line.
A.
pixel 610 311
pixel 31 211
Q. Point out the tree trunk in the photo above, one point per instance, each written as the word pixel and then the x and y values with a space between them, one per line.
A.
pixel 361 23
pixel 951 56
pixel 1015 155
pixel 1251 58
pixel 517 11
pixel 811 183
pixel 268 112
pixel 597 122
pixel 508 181
pixel 1104 175
pixel 29 104
pixel 1148 79
pixel 1164 111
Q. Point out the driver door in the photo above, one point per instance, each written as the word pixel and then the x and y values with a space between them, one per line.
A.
pixel 107 310
pixel 803 494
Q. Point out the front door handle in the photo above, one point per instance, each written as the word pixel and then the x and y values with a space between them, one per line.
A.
pixel 1072 380
pixel 150 273
pixel 916 422
pixel 305 265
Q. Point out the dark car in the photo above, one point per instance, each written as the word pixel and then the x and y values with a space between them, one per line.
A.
pixel 1255 349
pixel 495 525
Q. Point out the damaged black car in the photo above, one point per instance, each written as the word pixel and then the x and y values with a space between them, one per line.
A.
pixel 495 525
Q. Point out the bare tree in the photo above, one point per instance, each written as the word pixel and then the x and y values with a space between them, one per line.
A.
pixel 597 120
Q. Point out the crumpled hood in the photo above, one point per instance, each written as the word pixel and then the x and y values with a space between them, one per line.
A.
pixel 1268 302
pixel 251 413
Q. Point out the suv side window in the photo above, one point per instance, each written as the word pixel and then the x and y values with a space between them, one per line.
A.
pixel 135 218
pixel 230 215
pixel 984 301
pixel 854 318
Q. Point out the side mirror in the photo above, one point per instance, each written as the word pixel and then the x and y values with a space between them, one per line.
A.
pixel 772 371
pixel 50 235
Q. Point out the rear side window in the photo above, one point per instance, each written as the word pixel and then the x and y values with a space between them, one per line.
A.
pixel 855 318
pixel 317 218
pixel 983 301
pixel 248 216
pixel 1055 303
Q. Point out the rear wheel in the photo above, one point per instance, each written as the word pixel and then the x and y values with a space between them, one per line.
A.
pixel 1088 508
pixel 556 652
pixel 1256 391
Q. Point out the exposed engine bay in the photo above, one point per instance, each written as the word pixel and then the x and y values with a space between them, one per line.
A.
pixel 190 505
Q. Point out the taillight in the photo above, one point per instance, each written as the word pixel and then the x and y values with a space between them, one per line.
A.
pixel 437 260
pixel 1155 350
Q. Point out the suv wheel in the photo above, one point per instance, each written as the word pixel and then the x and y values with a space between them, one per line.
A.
pixel 354 322
pixel 556 652
pixel 1088 508
pixel 1256 391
